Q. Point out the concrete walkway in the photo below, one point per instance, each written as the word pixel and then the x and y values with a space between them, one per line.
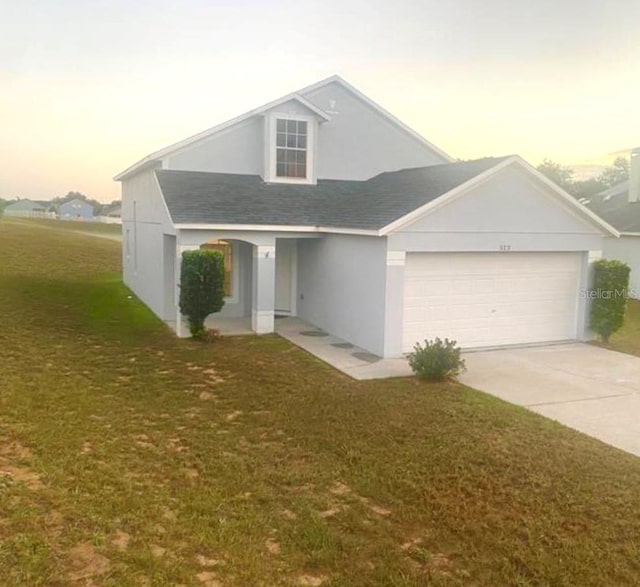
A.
pixel 588 388
pixel 345 357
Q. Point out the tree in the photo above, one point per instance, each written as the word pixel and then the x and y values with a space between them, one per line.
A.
pixel 616 173
pixel 559 174
pixel 201 287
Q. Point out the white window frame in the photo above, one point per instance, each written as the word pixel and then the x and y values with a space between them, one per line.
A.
pixel 271 123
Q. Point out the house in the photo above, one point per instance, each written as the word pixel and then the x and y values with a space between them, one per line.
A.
pixel 75 209
pixel 330 209
pixel 28 209
pixel 620 207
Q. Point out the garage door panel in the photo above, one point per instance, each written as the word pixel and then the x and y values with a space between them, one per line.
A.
pixel 491 299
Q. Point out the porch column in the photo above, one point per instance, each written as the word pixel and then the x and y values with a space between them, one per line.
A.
pixel 394 304
pixel 182 327
pixel 264 285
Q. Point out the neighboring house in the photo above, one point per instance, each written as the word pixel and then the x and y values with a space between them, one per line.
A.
pixel 28 209
pixel 330 209
pixel 75 209
pixel 620 206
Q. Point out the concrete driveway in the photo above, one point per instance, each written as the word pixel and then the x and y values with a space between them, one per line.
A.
pixel 582 386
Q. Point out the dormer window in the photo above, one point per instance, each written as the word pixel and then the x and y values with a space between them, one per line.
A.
pixel 291 148
pixel 289 142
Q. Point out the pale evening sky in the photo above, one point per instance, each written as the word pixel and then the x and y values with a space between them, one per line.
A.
pixel 88 87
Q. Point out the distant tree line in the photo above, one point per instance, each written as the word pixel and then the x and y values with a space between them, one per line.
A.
pixel 563 176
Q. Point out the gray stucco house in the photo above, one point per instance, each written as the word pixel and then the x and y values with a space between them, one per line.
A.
pixel 620 206
pixel 75 209
pixel 329 208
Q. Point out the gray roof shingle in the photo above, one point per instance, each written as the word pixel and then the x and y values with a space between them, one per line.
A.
pixel 614 207
pixel 222 198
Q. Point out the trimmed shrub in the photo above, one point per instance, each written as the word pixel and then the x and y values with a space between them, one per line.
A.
pixel 201 288
pixel 436 360
pixel 609 296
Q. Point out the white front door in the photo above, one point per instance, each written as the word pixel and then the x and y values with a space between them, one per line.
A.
pixel 285 276
pixel 491 299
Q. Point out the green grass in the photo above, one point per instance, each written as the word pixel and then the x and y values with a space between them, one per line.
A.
pixel 627 339
pixel 130 457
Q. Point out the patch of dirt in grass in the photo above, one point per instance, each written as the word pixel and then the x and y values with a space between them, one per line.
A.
pixel 339 488
pixel 174 444
pixel 289 515
pixel 157 551
pixel 273 546
pixel 311 580
pixel 207 396
pixel 142 440
pixel 86 448
pixel 87 563
pixel 204 561
pixel 233 416
pixel 208 579
pixel 14 450
pixel 23 475
pixel 120 540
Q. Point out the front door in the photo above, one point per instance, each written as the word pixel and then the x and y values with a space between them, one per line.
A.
pixel 285 276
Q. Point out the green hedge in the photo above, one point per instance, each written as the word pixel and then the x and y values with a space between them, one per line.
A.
pixel 609 296
pixel 201 287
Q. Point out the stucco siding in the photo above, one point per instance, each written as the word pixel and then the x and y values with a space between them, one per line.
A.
pixel 144 222
pixel 360 142
pixel 509 212
pixel 238 149
pixel 341 287
pixel 627 250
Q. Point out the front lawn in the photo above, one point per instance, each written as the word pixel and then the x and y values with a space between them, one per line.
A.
pixel 128 457
pixel 627 339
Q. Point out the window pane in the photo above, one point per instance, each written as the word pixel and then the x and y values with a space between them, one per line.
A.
pixel 280 139
pixel 302 127
pixel 281 155
pixel 291 141
pixel 302 157
pixel 302 142
pixel 280 170
pixel 291 126
pixel 281 125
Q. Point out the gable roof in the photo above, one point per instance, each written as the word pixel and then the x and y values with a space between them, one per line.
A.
pixel 154 157
pixel 229 199
pixel 614 206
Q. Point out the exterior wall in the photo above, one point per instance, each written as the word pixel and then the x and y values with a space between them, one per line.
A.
pixel 627 250
pixel 238 149
pixel 508 212
pixel 144 224
pixel 76 209
pixel 359 142
pixel 341 287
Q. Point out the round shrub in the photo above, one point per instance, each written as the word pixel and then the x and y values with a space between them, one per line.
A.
pixel 436 360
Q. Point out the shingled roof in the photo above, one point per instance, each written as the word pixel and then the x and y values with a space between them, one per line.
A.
pixel 613 206
pixel 223 198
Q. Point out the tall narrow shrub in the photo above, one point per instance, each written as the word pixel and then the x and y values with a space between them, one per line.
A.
pixel 201 287
pixel 609 296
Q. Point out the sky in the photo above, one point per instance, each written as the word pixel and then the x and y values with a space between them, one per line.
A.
pixel 88 87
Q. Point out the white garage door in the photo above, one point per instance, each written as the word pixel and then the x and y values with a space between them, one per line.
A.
pixel 491 299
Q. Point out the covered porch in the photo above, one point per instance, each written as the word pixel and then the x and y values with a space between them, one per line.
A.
pixel 260 277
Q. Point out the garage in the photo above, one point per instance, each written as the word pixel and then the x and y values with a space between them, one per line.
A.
pixel 491 299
